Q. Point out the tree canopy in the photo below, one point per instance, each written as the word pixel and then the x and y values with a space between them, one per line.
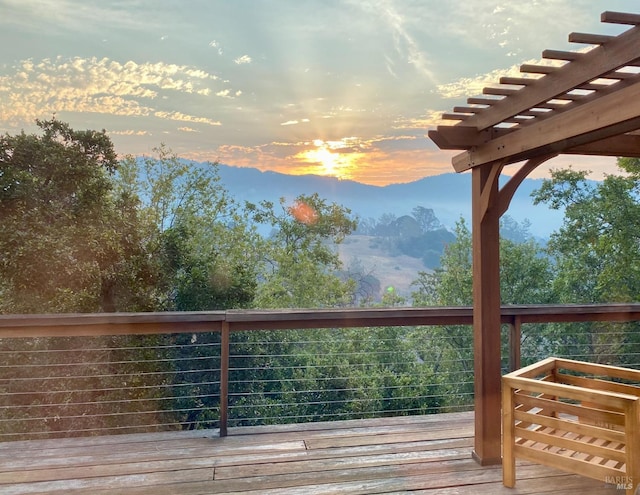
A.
pixel 63 231
pixel 597 250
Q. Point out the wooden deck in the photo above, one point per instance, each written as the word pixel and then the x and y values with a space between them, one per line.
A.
pixel 428 455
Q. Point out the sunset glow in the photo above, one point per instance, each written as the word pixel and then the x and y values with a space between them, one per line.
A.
pixel 222 81
pixel 326 159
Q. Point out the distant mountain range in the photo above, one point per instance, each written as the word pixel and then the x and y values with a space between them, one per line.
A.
pixel 449 195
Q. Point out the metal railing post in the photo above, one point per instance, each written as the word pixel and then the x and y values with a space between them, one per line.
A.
pixel 224 378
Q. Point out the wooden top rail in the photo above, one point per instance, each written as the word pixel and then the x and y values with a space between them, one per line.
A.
pixel 558 313
pixel 343 318
pixel 96 324
pixel 67 325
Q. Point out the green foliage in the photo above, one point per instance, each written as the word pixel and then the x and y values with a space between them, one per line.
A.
pixel 80 231
pixel 597 249
pixel 451 284
pixel 597 257
pixel 320 374
pixel 201 242
pixel 68 240
pixel 525 279
pixel 525 274
pixel 299 267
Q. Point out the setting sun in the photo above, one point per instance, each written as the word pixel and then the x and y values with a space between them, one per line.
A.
pixel 326 158
pixel 330 158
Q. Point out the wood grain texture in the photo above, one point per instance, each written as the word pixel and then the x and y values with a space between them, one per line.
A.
pixel 586 425
pixel 429 455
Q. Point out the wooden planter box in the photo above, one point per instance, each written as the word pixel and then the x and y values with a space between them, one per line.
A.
pixel 579 417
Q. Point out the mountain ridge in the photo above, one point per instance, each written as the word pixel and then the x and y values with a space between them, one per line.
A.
pixel 449 195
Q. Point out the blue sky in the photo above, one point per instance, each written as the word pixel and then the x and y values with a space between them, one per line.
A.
pixel 337 87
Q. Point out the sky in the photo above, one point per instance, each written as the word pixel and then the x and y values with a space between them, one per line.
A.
pixel 346 88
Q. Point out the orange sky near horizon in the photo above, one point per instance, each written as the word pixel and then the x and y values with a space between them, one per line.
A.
pixel 342 88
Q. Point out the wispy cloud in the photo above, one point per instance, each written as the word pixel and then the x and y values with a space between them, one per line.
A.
pixel 471 86
pixel 295 122
pixel 216 44
pixel 404 42
pixel 245 59
pixel 67 15
pixel 130 132
pixel 228 93
pixel 225 84
pixel 181 117
pixel 430 118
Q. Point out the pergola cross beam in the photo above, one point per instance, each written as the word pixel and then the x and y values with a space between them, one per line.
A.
pixel 602 61
pixel 601 118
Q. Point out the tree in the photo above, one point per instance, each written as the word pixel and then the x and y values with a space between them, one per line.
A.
pixel 386 226
pixel 200 239
pixel 597 249
pixel 300 267
pixel 73 242
pixel 597 254
pixel 525 274
pixel 525 277
pixel 367 286
pixel 65 234
pixel 426 218
pixel 275 377
pixel 514 231
pixel 204 251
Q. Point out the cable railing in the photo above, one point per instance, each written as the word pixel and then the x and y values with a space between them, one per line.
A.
pixel 349 373
pixel 58 386
pixel 67 375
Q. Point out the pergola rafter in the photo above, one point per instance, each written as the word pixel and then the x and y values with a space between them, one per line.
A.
pixel 581 102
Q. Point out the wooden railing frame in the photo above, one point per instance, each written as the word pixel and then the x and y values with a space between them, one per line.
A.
pixel 226 322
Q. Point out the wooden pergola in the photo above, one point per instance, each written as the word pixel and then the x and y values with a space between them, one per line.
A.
pixel 583 102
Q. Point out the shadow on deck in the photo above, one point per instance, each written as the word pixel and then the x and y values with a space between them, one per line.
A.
pixel 417 454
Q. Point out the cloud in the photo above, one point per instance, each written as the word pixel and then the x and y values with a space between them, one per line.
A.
pixel 227 93
pixel 376 160
pixel 181 117
pixel 404 42
pixel 187 129
pixel 130 132
pixel 294 122
pixel 70 15
pixel 215 44
pixel 245 59
pixel 40 88
pixel 431 118
pixel 516 28
pixel 471 86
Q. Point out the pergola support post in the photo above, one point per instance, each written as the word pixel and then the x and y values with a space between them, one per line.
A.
pixel 486 313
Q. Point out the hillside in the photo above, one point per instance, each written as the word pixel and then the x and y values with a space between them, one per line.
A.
pixel 397 271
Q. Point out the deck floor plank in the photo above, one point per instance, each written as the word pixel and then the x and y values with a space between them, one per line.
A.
pixel 427 455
